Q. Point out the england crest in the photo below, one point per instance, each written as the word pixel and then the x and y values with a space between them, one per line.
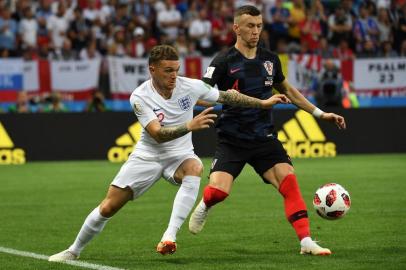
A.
pixel 268 67
pixel 185 103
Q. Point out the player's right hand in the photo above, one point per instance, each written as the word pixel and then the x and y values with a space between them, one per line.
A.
pixel 202 121
pixel 275 99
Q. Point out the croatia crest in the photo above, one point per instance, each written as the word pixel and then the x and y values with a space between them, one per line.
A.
pixel 268 67
pixel 185 103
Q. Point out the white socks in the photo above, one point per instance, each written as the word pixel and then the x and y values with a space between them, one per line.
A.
pixel 92 226
pixel 182 205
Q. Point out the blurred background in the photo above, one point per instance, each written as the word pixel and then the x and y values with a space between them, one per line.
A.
pixel 87 56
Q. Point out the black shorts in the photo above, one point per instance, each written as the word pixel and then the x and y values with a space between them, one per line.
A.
pixel 231 157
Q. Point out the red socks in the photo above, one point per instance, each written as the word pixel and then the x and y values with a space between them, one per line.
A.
pixel 212 195
pixel 295 207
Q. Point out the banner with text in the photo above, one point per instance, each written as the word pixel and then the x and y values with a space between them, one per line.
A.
pixel 73 76
pixel 11 74
pixel 380 76
pixel 17 75
pixel 30 76
pixel 126 74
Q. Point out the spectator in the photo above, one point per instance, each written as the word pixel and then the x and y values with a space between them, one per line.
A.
pixel 58 25
pixel 92 12
pixel 277 22
pixel 97 103
pixel 144 14
pixel 117 45
pixel 43 51
pixel 44 10
pixel 121 16
pixel 43 35
pixel 343 52
pixel 8 32
pixel 53 103
pixel 192 51
pixel 28 29
pixel 79 31
pixel 29 54
pixel 168 21
pixel 22 104
pixel 200 33
pixel 181 45
pixel 317 9
pixel 340 25
pixel 297 15
pixel 329 85
pixel 325 50
pixel 136 48
pixel 387 50
pixel 20 6
pixel 90 52
pixel 222 26
pixel 368 50
pixel 350 8
pixel 310 31
pixel 65 53
pixel 384 26
pixel 365 30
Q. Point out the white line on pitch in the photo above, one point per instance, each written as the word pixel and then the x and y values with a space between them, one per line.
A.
pixel 45 257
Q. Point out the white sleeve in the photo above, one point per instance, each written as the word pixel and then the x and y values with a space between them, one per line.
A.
pixel 204 91
pixel 143 112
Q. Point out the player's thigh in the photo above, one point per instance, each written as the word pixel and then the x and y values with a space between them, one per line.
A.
pixel 271 162
pixel 139 174
pixel 176 168
pixel 228 160
pixel 190 166
pixel 227 164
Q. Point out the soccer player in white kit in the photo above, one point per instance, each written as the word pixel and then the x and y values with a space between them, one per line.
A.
pixel 164 107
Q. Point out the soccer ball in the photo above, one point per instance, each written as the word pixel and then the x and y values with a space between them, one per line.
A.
pixel 331 201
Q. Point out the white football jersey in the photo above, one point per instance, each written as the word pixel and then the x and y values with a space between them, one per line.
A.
pixel 148 105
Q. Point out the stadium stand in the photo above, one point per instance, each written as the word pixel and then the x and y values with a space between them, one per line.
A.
pixel 77 47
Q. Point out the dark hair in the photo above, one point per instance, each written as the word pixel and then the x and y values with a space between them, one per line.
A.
pixel 162 52
pixel 247 9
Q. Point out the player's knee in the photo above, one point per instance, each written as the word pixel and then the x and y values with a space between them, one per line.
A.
pixel 195 169
pixel 107 209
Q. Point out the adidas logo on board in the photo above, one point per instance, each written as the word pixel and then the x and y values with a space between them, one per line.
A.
pixel 9 154
pixel 125 144
pixel 301 136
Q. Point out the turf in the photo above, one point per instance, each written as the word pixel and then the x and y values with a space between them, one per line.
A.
pixel 43 205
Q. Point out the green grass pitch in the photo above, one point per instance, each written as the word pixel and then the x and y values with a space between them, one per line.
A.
pixel 43 205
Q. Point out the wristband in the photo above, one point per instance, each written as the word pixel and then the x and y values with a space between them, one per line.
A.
pixel 317 112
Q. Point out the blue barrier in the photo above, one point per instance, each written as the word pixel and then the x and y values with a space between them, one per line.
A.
pixel 124 105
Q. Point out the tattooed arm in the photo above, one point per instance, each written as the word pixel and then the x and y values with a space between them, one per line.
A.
pixel 165 134
pixel 234 98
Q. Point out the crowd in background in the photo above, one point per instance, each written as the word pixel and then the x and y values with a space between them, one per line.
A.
pixel 83 29
pixel 88 29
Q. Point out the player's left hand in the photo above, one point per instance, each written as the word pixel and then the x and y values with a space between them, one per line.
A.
pixel 275 99
pixel 335 118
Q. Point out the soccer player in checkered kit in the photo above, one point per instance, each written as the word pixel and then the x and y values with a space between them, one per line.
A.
pixel 164 107
pixel 248 135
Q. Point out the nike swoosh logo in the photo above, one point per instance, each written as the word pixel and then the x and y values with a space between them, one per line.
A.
pixel 234 70
pixel 155 110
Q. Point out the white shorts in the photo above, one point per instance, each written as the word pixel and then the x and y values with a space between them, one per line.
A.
pixel 140 174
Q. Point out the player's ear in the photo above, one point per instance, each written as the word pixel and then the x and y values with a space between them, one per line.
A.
pixel 236 29
pixel 151 69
